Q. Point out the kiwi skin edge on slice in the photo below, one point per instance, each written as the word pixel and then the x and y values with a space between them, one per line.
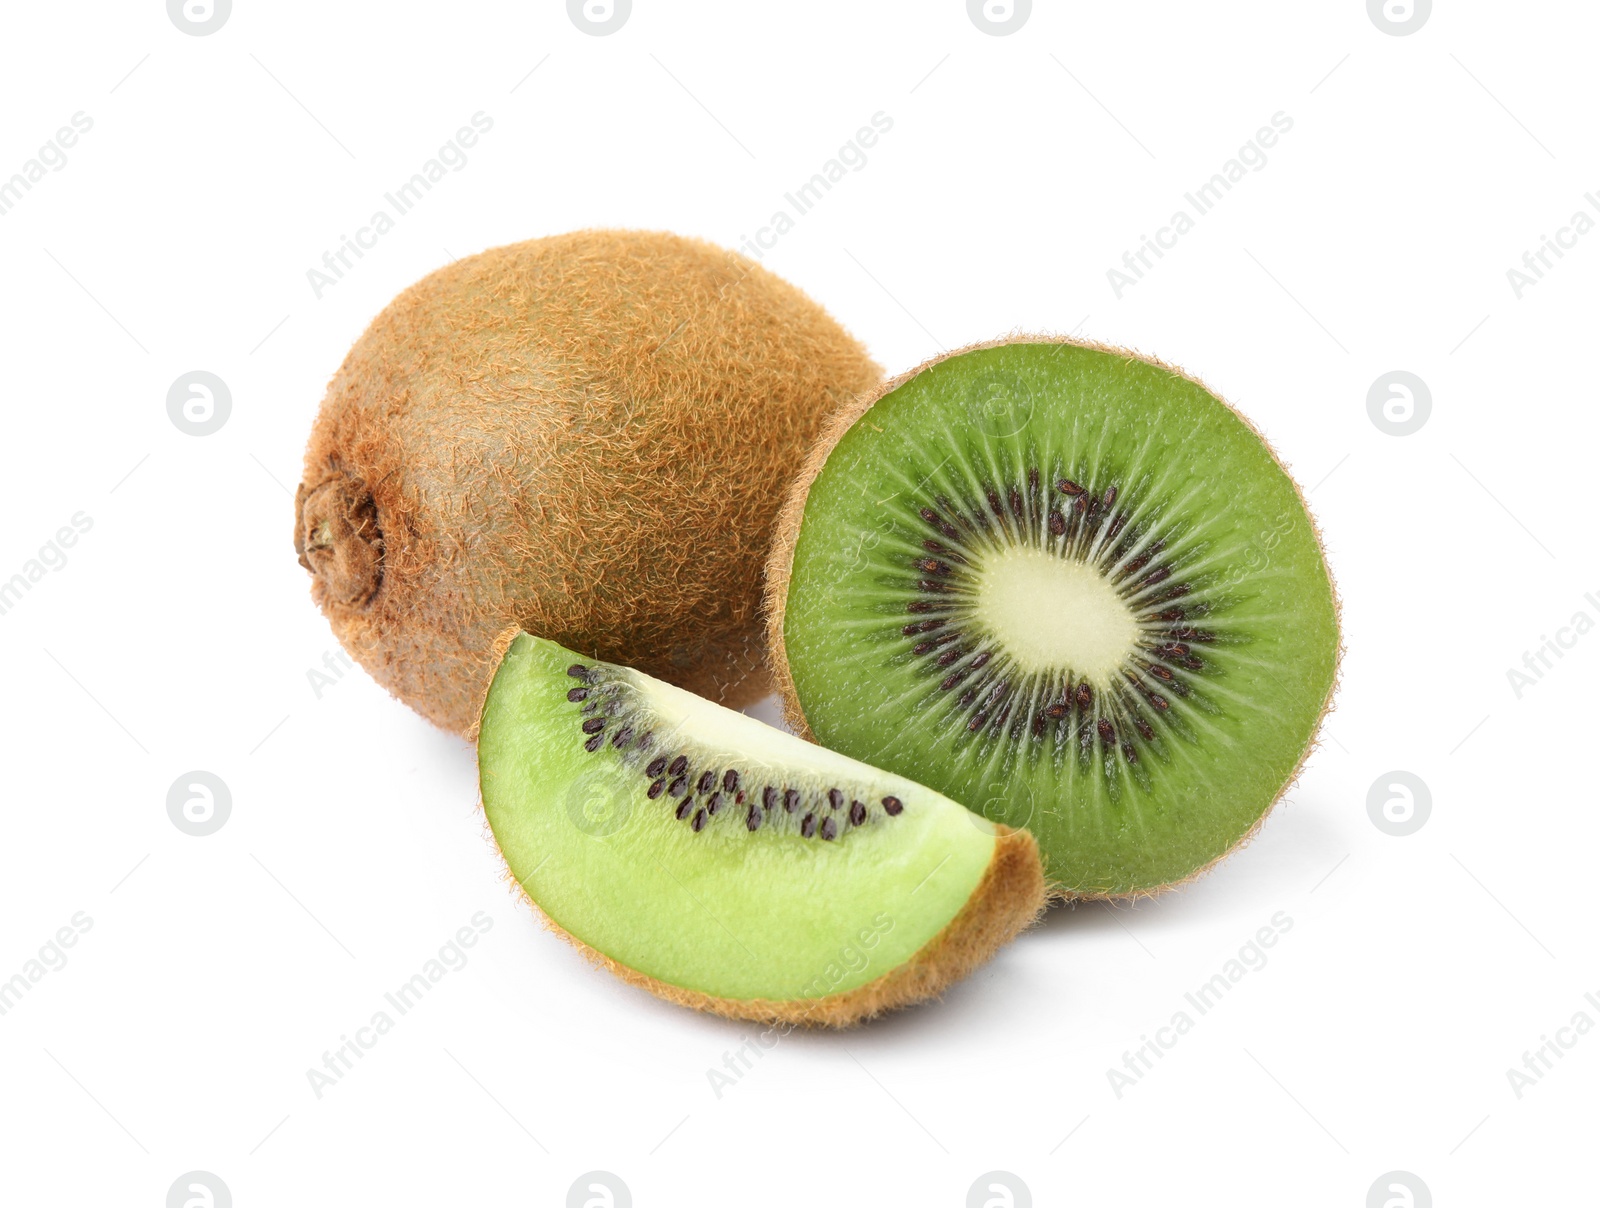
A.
pixel 1068 586
pixel 725 865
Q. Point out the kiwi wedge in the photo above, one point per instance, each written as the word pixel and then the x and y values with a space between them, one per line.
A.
pixel 725 865
pixel 1070 587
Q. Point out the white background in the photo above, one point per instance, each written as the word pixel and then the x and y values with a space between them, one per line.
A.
pixel 1020 168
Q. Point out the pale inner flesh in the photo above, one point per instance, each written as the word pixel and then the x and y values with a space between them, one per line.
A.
pixel 1049 612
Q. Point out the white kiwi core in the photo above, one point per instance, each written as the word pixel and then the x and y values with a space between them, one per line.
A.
pixel 1051 613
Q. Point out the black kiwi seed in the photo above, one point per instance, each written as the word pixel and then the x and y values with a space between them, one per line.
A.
pixel 684 807
pixel 769 796
pixel 594 724
pixel 656 789
pixel 835 798
pixel 594 743
pixel 892 806
pixel 578 671
pixel 678 787
pixel 858 813
pixel 752 820
pixel 1058 524
pixel 699 820
pixel 1067 487
pixel 829 830
pixel 678 765
pixel 808 825
pixel 730 780
pixel 577 693
pixel 656 766
pixel 713 804
pixel 707 779
pixel 622 736
pixel 791 800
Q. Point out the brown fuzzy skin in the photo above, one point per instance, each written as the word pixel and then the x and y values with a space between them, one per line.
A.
pixel 780 564
pixel 1009 898
pixel 581 435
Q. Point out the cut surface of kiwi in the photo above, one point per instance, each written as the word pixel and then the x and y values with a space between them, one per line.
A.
pixel 1068 587
pixel 726 865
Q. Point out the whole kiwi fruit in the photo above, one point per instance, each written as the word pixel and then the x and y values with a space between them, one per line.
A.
pixel 587 435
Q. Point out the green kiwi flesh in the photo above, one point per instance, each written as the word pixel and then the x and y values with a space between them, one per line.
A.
pixel 1070 588
pixel 727 865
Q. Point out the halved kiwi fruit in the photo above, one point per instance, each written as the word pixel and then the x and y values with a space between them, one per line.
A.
pixel 1069 587
pixel 725 865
